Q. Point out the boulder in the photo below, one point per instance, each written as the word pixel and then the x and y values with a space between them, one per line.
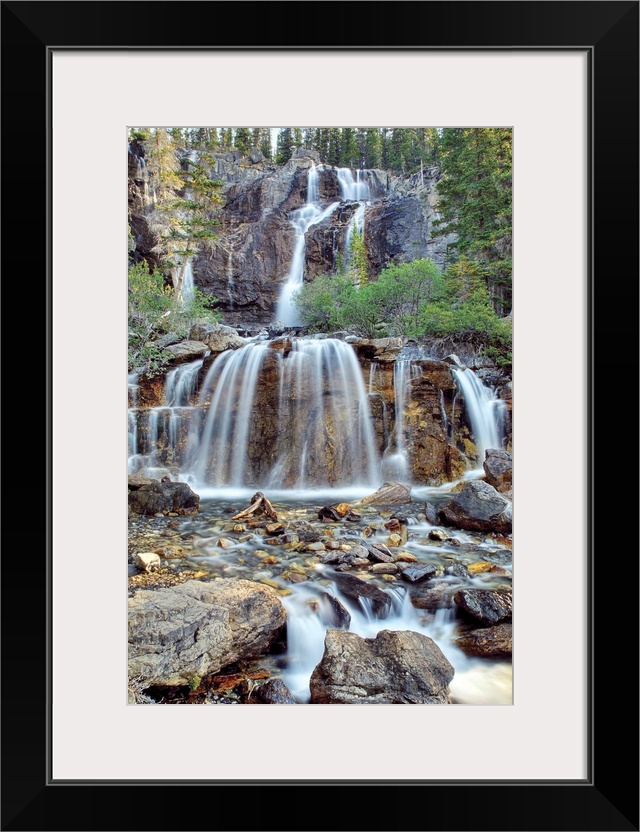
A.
pixel 186 351
pixel 274 692
pixel 423 572
pixel 256 156
pixel 147 561
pixel 388 494
pixel 357 588
pixel 487 641
pixel 498 469
pixel 430 596
pixel 197 628
pixel 431 513
pixel 217 337
pixel 487 605
pixel 376 551
pixel 479 507
pixel 153 497
pixel 395 667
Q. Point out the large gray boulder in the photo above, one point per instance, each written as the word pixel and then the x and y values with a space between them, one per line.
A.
pixel 498 468
pixel 150 496
pixel 217 337
pixel 197 628
pixel 479 507
pixel 388 494
pixel 487 641
pixel 487 605
pixel 395 667
pixel 188 350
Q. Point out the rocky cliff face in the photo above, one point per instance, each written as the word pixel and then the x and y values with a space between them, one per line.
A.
pixel 247 263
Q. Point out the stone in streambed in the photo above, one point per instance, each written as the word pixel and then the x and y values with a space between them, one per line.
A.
pixel 479 507
pixel 487 641
pixel 478 567
pixel 498 468
pixel 273 692
pixel 423 572
pixel 377 552
pixel 427 596
pixel 395 667
pixel 388 494
pixel 198 628
pixel 437 534
pixel 356 588
pixel 431 514
pixel 383 569
pixel 318 546
pixel 406 557
pixel 155 497
pixel 147 561
pixel 490 606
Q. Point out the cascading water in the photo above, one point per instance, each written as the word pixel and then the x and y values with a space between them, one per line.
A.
pixel 484 411
pixel 187 293
pixel 310 214
pixel 353 189
pixel 396 460
pixel 324 434
pixel 154 433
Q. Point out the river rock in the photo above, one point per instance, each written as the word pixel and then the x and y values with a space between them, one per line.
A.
pixel 487 605
pixel 334 613
pixel 198 628
pixel 147 561
pixel 479 507
pixel 395 667
pixel 187 351
pixel 376 551
pixel 155 497
pixel 217 337
pixel 426 595
pixel 422 572
pixel 356 588
pixel 431 514
pixel 384 569
pixel 273 692
pixel 498 469
pixel 487 641
pixel 388 494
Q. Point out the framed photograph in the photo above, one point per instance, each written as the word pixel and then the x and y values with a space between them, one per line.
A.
pixel 563 77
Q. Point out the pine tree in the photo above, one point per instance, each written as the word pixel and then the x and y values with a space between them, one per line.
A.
pixel 265 143
pixel 333 154
pixel 226 139
pixel 242 140
pixel 475 202
pixel 372 147
pixel 284 146
pixel 348 148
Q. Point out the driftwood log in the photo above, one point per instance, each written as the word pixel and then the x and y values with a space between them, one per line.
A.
pixel 259 505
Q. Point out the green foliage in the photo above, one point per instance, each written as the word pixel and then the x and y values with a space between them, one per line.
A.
pixel 154 309
pixel 410 299
pixel 284 146
pixel 194 682
pixel 476 200
pixel 357 259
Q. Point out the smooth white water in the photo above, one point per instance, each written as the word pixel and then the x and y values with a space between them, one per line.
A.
pixel 476 681
pixel 302 219
pixel 483 409
pixel 396 459
pixel 188 286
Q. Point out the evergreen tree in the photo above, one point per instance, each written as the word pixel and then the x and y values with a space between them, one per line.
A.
pixel 226 138
pixel 265 143
pixel 242 140
pixel 372 148
pixel 333 155
pixel 256 137
pixel 348 148
pixel 358 269
pixel 284 146
pixel 475 202
pixel 296 139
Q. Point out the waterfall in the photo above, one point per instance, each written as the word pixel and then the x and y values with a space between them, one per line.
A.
pixel 188 286
pixel 396 460
pixel 353 189
pixel 321 426
pixel 484 411
pixel 221 449
pixel 325 433
pixel 302 219
pixel 155 433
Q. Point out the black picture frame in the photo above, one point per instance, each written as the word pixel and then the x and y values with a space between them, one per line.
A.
pixel 608 798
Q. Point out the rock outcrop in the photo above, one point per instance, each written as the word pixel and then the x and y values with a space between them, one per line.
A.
pixel 197 628
pixel 151 496
pixel 479 507
pixel 395 667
